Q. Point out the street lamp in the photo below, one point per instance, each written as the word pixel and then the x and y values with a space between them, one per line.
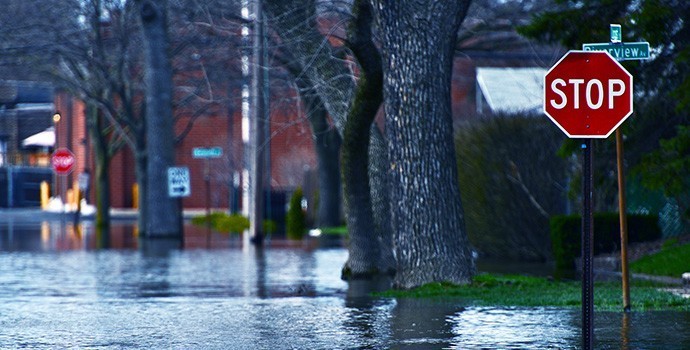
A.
pixel 56 120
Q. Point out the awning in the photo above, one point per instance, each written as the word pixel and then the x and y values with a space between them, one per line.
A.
pixel 44 138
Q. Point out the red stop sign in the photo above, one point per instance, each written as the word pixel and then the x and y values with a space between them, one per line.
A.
pixel 588 94
pixel 63 161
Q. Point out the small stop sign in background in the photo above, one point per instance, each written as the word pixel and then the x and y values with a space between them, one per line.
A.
pixel 588 94
pixel 62 161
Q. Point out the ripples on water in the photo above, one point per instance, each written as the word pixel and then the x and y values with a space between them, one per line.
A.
pixel 59 290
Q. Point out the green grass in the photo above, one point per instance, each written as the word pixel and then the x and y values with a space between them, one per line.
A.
pixel 514 290
pixel 334 231
pixel 670 261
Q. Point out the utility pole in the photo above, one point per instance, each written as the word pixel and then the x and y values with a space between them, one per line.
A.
pixel 257 131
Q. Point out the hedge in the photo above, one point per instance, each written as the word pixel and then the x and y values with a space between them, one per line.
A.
pixel 296 218
pixel 566 237
pixel 506 165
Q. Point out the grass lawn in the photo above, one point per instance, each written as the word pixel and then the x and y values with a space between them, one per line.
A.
pixel 334 231
pixel 514 290
pixel 671 261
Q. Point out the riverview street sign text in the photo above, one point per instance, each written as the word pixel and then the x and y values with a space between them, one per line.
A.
pixel 588 94
pixel 202 152
pixel 621 51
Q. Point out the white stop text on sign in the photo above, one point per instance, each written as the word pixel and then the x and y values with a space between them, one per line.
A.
pixel 595 92
pixel 63 161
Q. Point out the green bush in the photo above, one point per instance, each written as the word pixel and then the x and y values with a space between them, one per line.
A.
pixel 511 181
pixel 296 221
pixel 565 243
pixel 566 236
pixel 270 226
pixel 223 223
pixel 234 223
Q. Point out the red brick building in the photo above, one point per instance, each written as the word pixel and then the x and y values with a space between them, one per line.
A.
pixel 291 148
pixel 291 151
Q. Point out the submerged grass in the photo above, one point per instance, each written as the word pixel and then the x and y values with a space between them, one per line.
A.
pixel 527 291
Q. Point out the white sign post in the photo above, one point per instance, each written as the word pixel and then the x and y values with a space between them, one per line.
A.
pixel 178 182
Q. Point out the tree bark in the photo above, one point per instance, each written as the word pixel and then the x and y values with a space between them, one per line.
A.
pixel 163 217
pixel 418 39
pixel 365 249
pixel 332 81
pixel 380 200
pixel 327 144
pixel 102 163
pixel 141 174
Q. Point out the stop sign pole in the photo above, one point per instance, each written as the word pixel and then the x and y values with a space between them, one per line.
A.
pixel 618 48
pixel 587 95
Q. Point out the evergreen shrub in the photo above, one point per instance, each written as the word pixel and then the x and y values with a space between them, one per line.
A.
pixel 296 221
pixel 566 236
pixel 511 181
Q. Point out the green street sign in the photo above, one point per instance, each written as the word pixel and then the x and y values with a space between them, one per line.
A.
pixel 622 51
pixel 201 152
pixel 616 33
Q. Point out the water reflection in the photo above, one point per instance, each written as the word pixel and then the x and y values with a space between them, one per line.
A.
pixel 66 286
pixel 58 235
pixel 422 324
pixel 365 315
pixel 64 235
pixel 519 328
pixel 625 331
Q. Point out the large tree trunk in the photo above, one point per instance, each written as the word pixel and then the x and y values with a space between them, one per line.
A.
pixel 102 164
pixel 365 247
pixel 296 22
pixel 327 144
pixel 163 212
pixel 140 171
pixel 380 200
pixel 418 39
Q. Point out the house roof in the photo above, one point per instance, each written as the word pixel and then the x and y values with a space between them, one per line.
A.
pixel 511 90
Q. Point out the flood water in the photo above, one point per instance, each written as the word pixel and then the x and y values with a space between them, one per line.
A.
pixel 62 287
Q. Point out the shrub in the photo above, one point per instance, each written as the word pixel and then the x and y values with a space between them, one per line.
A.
pixel 296 224
pixel 223 223
pixel 234 223
pixel 270 226
pixel 566 231
pixel 511 181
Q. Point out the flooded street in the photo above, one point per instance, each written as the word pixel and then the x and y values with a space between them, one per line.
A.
pixel 62 287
